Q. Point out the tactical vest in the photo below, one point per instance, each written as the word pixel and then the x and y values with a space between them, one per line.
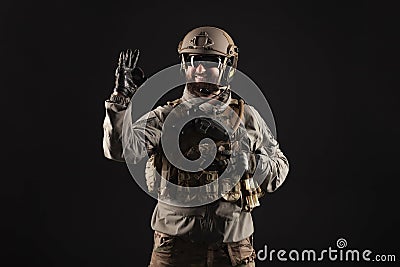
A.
pixel 158 169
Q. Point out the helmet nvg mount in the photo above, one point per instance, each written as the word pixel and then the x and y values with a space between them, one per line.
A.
pixel 209 40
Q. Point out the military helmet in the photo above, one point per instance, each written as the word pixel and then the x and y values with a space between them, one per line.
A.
pixel 209 40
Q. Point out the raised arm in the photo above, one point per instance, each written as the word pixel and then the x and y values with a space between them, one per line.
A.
pixel 128 78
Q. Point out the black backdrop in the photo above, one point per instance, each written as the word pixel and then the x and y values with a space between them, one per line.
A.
pixel 327 70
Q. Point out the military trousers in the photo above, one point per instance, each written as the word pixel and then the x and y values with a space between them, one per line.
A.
pixel 175 251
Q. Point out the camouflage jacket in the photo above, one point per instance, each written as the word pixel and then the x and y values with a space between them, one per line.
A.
pixel 220 220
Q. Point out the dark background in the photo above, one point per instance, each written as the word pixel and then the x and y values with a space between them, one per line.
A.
pixel 327 69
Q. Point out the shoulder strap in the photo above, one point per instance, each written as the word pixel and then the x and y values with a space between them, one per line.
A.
pixel 174 103
pixel 234 101
pixel 238 106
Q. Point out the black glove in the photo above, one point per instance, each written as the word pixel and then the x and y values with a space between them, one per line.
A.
pixel 240 154
pixel 128 77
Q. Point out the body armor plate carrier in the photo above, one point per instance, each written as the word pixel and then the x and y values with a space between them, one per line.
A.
pixel 244 193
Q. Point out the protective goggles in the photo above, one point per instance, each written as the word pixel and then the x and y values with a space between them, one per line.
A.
pixel 207 61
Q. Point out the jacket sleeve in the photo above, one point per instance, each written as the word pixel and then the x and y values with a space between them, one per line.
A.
pixel 112 130
pixel 272 165
pixel 124 140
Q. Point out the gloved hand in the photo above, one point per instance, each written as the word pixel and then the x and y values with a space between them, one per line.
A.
pixel 237 164
pixel 128 77
pixel 239 159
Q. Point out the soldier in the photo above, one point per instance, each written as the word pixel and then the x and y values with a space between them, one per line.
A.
pixel 218 233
